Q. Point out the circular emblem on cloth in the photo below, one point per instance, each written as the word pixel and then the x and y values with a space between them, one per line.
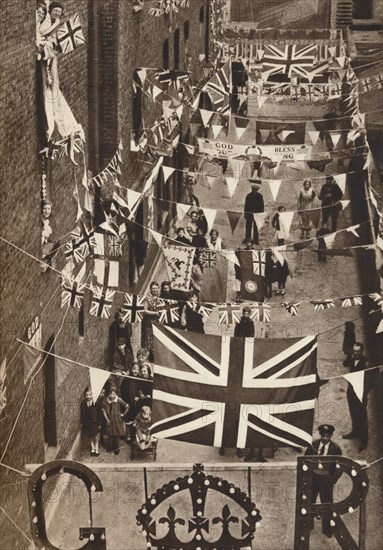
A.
pixel 251 286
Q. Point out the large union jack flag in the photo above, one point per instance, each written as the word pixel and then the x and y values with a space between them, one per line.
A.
pixel 290 60
pixel 233 392
pixel 219 87
pixel 70 35
pixel 102 301
pixel 133 309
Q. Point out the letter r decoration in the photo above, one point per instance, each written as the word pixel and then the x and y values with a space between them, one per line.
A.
pixel 306 510
pixel 95 536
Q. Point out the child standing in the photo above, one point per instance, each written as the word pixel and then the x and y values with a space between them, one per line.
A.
pixel 90 421
pixel 281 232
pixel 114 410
pixel 349 340
pixel 142 424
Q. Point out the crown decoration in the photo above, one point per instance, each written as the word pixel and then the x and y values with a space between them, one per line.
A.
pixel 197 485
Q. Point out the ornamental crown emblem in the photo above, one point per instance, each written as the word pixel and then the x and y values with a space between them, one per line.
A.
pixel 198 512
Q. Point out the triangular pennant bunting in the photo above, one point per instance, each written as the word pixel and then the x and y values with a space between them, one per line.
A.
pixel 98 379
pixel 356 379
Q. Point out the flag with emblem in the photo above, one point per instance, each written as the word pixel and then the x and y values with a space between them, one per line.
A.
pixel 209 259
pixel 290 59
pixel 179 264
pixel 133 308
pixel 250 272
pixel 261 313
pixel 102 301
pixel 349 301
pixel 233 392
pixel 320 305
pixel 229 313
pixel 291 307
pixel 70 35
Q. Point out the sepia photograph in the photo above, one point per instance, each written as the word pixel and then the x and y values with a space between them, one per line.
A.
pixel 191 251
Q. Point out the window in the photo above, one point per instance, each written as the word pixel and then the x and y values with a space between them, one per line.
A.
pixel 165 54
pixel 177 49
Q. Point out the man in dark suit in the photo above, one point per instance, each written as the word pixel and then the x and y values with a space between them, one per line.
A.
pixel 330 195
pixel 254 204
pixel 325 478
pixel 358 408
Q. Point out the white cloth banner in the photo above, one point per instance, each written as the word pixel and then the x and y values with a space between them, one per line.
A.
pixel 222 149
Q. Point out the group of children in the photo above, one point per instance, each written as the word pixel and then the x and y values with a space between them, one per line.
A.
pixel 123 411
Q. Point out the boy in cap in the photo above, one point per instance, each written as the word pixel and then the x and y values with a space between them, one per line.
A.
pixel 325 479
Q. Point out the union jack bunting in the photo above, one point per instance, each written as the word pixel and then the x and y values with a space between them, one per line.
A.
pixel 366 84
pixel 259 262
pixel 291 307
pixel 319 305
pixel 102 302
pixel 170 314
pixel 209 259
pixel 379 80
pixel 113 245
pixel 70 145
pixel 229 314
pixel 133 308
pixel 261 313
pixel 72 293
pixel 70 35
pixel 229 392
pixel 377 297
pixel 167 76
pixel 81 243
pixel 351 301
pixel 51 151
pixel 205 309
pixel 291 60
pixel 219 87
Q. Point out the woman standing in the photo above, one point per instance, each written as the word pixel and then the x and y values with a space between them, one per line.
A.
pixel 305 202
pixel 153 304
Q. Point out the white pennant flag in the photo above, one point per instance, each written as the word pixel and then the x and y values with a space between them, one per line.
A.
pixel 353 229
pixel 231 257
pixel 314 136
pixel 201 57
pixel 344 204
pixel 98 379
pixel 216 129
pixel 196 101
pixel 157 237
pixel 189 148
pixel 206 116
pixel 286 133
pixel 132 198
pixel 341 181
pixel 156 91
pixel 260 219
pixel 265 134
pixel 240 131
pixel 182 210
pixel 231 185
pixel 379 330
pixel 368 162
pixel 167 171
pixel 274 188
pixel 286 218
pixel 335 137
pixel 210 214
pixel 356 379
pixel 341 60
pixel 261 100
pixel 277 251
pixel 329 240
pixel 332 50
pixel 141 73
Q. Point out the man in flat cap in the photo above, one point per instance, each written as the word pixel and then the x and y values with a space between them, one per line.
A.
pixel 254 204
pixel 325 478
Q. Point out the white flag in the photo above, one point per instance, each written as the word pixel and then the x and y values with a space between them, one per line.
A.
pixel 210 214
pixel 314 136
pixel 356 379
pixel 182 210
pixel 216 129
pixel 335 137
pixel 168 171
pixel 98 379
pixel 157 237
pixel 231 183
pixel 274 188
pixel 206 116
pixel 341 181
pixel 286 218
pixel 260 219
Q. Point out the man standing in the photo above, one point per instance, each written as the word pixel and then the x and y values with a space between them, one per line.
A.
pixel 358 408
pixel 326 477
pixel 330 195
pixel 253 205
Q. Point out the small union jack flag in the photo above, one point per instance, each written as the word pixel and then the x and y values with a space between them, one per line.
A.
pixel 170 314
pixel 205 309
pixel 378 298
pixel 366 84
pixel 291 307
pixel 72 294
pixel 229 314
pixel 70 35
pixel 209 259
pixel 133 308
pixel 102 301
pixel 379 80
pixel 261 313
pixel 259 262
pixel 320 305
pixel 81 244
pixel 113 245
pixel 349 301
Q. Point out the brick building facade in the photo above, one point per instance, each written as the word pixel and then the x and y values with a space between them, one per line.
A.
pixel 96 81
